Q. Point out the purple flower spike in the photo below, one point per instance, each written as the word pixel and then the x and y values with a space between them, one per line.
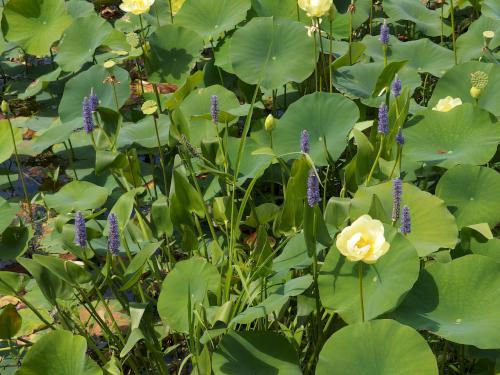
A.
pixel 214 109
pixel 400 138
pixel 396 87
pixel 383 119
pixel 93 100
pixel 113 235
pixel 384 33
pixel 80 230
pixel 405 220
pixel 88 120
pixel 304 142
pixel 313 197
pixel 397 191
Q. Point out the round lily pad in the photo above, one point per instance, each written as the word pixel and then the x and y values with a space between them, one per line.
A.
pixel 384 282
pixel 265 51
pixel 211 18
pixel 456 83
pixel 465 135
pixel 35 24
pixel 327 117
pixel 470 44
pixel 433 226
pixel 458 300
pixel 256 353
pixel 471 194
pixel 380 347
pixel 77 196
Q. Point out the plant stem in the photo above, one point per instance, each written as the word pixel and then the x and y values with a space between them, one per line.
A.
pixel 19 167
pixel 162 156
pixel 171 11
pixel 375 162
pixel 361 300
pixel 452 10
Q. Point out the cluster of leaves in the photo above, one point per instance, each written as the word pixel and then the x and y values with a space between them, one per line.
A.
pixel 222 266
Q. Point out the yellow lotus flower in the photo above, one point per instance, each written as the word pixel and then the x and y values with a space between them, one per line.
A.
pixel 315 8
pixel 447 104
pixel 363 240
pixel 136 6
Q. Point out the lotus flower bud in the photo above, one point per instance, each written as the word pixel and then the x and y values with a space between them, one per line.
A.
pixel 270 123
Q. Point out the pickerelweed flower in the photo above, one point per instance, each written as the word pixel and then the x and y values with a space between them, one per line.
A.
pixel 80 230
pixel 214 109
pixel 136 6
pixel 304 142
pixel 396 87
pixel 400 138
pixel 405 220
pixel 113 235
pixel 384 33
pixel 383 119
pixel 363 240
pixel 93 100
pixel 397 191
pixel 88 119
pixel 313 197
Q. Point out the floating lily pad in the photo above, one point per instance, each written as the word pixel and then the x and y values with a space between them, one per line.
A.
pixel 471 193
pixel 7 213
pixel 143 133
pixel 35 24
pixel 255 352
pixel 433 226
pixel 211 18
pixel 426 20
pixel 328 118
pixel 456 83
pixel 458 301
pixel 77 196
pixel 174 50
pixel 265 51
pixel 491 8
pixel 380 347
pixel 464 135
pixel 384 283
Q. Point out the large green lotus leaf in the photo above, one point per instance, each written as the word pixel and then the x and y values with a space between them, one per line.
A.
pixel 359 80
pixel 35 24
pixel 458 300
pixel 327 117
pixel 491 8
pixel 279 8
pixel 143 133
pixel 470 44
pixel 194 277
pixel 341 20
pixel 7 148
pixel 70 107
pixel 77 8
pixel 456 83
pixel 174 50
pixel 433 226
pixel 427 21
pixel 80 41
pixel 77 196
pixel 14 242
pixel 210 18
pixel 472 194
pixel 251 164
pixel 464 135
pixel 258 353
pixel 59 353
pixel 384 283
pixel 490 248
pixel 422 55
pixel 265 51
pixel 7 213
pixel 380 347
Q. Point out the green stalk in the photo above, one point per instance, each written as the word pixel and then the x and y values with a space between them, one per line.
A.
pixel 171 11
pixel 330 62
pixel 162 156
pixel 350 35
pixel 314 56
pixel 376 159
pixel 361 300
pixel 453 31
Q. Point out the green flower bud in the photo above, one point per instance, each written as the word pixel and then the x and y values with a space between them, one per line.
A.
pixel 270 123
pixel 5 106
pixel 475 92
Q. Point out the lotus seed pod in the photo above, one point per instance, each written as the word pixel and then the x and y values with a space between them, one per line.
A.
pixel 488 36
pixel 270 123
pixel 479 79
pixel 132 39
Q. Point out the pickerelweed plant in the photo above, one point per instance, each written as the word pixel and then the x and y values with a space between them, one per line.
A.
pixel 240 187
